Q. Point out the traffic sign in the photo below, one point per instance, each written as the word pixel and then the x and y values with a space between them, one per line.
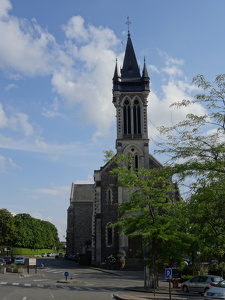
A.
pixel 168 273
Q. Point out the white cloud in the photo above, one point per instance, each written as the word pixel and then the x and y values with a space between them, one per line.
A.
pixel 7 164
pixel 3 117
pixel 90 180
pixel 52 110
pixel 81 74
pixel 55 191
pixel 175 89
pixel 11 86
pixel 5 6
pixel 74 29
pixel 30 53
pixel 81 68
pixel 16 122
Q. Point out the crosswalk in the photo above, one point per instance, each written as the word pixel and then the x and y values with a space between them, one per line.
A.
pixel 57 286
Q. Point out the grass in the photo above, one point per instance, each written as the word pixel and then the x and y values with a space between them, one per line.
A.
pixel 27 251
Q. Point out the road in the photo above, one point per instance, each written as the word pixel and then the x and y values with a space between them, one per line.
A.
pixel 82 283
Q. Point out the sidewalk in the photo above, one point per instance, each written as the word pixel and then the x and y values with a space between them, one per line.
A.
pixel 146 293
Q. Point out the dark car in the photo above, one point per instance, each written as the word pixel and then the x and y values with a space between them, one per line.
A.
pixel 8 259
pixel 200 283
pixel 77 257
pixel 2 262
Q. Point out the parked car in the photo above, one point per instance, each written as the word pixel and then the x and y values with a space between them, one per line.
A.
pixel 8 259
pixel 200 283
pixel 44 254
pixel 50 254
pixel 71 256
pixel 217 292
pixel 77 257
pixel 2 262
pixel 19 260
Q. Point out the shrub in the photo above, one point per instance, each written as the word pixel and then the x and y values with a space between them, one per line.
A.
pixel 186 277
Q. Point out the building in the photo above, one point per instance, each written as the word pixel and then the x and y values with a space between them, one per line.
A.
pixel 92 206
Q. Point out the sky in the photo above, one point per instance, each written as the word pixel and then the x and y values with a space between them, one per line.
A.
pixel 57 60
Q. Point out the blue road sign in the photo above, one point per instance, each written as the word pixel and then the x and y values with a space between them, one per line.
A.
pixel 66 274
pixel 168 273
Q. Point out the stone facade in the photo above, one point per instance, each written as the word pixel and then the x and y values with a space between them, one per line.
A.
pixel 93 207
pixel 79 218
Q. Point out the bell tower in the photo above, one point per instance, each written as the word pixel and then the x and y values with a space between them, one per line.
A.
pixel 130 93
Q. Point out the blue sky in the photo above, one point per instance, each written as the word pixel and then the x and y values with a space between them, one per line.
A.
pixel 57 61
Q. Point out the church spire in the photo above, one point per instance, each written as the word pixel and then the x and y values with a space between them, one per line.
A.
pixel 130 67
pixel 116 76
pixel 145 71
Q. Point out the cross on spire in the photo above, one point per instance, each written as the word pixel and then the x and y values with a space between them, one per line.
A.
pixel 128 22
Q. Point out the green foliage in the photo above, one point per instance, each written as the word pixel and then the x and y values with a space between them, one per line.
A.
pixel 108 154
pixel 8 230
pixel 196 147
pixel 27 251
pixel 24 231
pixel 151 211
pixel 35 233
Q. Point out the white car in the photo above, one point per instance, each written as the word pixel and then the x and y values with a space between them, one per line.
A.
pixel 19 260
pixel 216 292
pixel 200 283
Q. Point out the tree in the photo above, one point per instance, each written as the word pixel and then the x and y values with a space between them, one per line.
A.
pixel 27 231
pixel 108 154
pixel 35 233
pixel 7 228
pixel 152 211
pixel 196 146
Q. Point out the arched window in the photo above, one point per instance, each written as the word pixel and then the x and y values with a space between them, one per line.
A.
pixel 109 196
pixel 136 162
pixel 137 117
pixel 109 235
pixel 127 117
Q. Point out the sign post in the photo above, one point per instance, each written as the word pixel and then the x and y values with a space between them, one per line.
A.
pixel 32 262
pixel 168 275
pixel 66 274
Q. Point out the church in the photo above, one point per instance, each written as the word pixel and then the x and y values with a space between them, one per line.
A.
pixel 93 207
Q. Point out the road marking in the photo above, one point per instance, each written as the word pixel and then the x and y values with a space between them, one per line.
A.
pixel 15 283
pixel 56 272
pixel 3 282
pixel 40 285
pixel 24 298
pixel 27 284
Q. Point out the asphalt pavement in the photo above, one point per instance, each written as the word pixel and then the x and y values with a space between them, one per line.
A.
pixel 162 292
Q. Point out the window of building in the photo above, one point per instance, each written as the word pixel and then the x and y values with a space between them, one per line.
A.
pixel 127 117
pixel 137 117
pixel 109 235
pixel 109 196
